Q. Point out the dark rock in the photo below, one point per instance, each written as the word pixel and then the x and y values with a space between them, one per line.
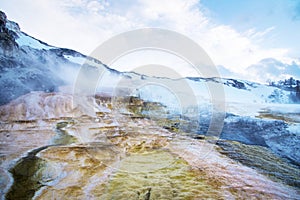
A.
pixel 8 44
pixel 267 133
pixel 24 69
pixel 263 160
pixel 235 83
pixel 3 20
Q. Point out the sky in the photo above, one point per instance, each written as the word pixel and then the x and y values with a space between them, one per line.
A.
pixel 249 39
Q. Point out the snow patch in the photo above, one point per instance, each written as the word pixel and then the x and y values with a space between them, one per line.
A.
pixel 25 40
pixel 294 128
pixel 77 60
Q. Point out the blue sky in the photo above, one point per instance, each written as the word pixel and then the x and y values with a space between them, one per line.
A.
pixel 283 15
pixel 237 34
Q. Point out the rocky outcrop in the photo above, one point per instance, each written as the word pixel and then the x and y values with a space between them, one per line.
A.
pixel 263 160
pixel 8 45
pixel 27 64
pixel 271 133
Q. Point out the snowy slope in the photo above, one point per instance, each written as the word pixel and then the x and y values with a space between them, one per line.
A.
pixel 25 40
pixel 28 64
pixel 241 97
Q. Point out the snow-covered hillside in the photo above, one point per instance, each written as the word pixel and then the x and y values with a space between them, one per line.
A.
pixel 28 64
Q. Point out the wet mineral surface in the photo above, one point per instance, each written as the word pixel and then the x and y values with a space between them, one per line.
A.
pixel 121 154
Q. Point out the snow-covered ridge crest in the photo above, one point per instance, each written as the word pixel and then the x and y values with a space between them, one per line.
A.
pixel 24 39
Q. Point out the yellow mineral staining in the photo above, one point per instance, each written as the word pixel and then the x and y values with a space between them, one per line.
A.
pixel 156 175
pixel 121 153
pixel 78 165
pixel 287 117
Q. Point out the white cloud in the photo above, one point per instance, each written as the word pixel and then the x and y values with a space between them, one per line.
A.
pixel 272 69
pixel 84 24
pixel 144 62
